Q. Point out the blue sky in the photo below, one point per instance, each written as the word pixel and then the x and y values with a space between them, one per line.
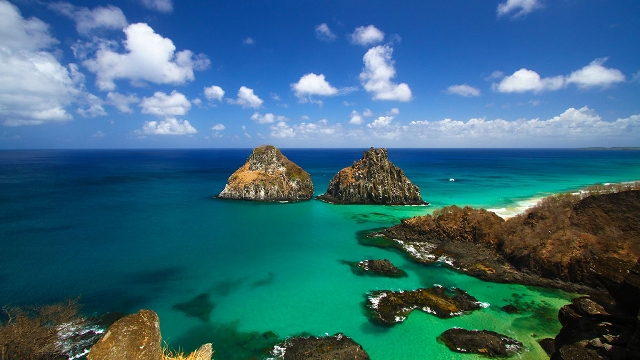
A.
pixel 448 73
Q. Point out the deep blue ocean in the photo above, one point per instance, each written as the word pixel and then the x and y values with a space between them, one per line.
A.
pixel 140 229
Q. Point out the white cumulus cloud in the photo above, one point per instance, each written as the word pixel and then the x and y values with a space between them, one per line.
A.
pixel 267 118
pixel 161 104
pixel 574 127
pixel 595 75
pixel 169 126
pixel 525 80
pixel 319 129
pixel 518 8
pixel 377 74
pixel 121 102
pixel 323 33
pixel 312 84
pixel 246 98
pixel 213 93
pixel 367 36
pixel 35 88
pixel 165 6
pixel 356 118
pixel 149 57
pixel 463 90
pixel 108 18
pixel 592 75
pixel 381 122
pixel 218 127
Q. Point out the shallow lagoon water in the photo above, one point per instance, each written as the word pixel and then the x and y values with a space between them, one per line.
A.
pixel 132 229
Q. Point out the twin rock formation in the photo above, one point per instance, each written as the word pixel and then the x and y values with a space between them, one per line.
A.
pixel 270 176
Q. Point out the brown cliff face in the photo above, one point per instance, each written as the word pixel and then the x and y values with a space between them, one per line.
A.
pixel 268 176
pixel 561 242
pixel 372 180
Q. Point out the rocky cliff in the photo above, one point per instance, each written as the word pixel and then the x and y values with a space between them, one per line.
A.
pixel 557 243
pixel 268 176
pixel 372 180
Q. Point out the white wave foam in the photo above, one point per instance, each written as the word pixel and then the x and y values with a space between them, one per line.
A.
pixel 518 208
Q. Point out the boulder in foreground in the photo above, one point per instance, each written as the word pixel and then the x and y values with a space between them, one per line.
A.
pixel 268 176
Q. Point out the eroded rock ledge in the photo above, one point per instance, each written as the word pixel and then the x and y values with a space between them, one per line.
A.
pixel 268 176
pixel 372 180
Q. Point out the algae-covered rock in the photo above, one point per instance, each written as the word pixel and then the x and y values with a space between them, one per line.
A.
pixel 268 176
pixel 484 342
pixel 372 180
pixel 336 347
pixel 390 307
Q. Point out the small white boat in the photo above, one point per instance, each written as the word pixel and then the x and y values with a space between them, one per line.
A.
pixel 452 179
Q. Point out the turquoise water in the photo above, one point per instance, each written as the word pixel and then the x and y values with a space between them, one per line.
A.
pixel 136 229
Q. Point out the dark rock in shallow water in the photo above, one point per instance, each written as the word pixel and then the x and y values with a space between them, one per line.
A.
pixel 390 307
pixel 337 346
pixel 510 309
pixel 482 342
pixel 268 176
pixel 199 307
pixel 548 345
pixel 376 267
pixel 372 180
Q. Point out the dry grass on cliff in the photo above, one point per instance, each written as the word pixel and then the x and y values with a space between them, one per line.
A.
pixel 32 332
pixel 168 354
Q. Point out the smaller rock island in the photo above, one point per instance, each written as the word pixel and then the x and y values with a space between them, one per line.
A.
pixel 372 180
pixel 268 176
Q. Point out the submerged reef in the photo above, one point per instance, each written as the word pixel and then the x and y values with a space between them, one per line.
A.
pixel 268 176
pixel 372 180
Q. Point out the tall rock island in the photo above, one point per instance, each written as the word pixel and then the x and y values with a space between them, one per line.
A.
pixel 372 180
pixel 268 176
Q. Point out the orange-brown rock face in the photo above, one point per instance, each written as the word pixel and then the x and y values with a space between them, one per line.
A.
pixel 268 176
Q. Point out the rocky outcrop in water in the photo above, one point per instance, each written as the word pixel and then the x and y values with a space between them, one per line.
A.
pixel 268 176
pixel 388 307
pixel 372 180
pixel 382 267
pixel 483 342
pixel 338 346
pixel 137 337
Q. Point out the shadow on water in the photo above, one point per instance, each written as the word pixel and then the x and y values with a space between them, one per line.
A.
pixel 539 317
pixel 264 282
pixel 115 300
pixel 199 307
pixel 362 218
pixel 225 287
pixel 158 277
pixel 228 341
